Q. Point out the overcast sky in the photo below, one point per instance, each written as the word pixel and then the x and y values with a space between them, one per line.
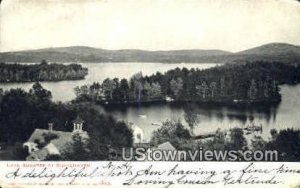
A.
pixel 231 25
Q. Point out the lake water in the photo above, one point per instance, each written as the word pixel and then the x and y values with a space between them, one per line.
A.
pixel 212 117
pixel 64 90
pixel 285 115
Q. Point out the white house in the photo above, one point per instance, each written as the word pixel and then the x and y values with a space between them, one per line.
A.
pixel 138 133
pixel 44 142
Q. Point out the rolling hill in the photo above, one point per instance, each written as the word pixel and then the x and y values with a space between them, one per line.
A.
pixel 273 49
pixel 269 52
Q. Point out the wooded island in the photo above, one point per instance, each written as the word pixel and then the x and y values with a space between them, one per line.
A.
pixel 41 72
pixel 246 82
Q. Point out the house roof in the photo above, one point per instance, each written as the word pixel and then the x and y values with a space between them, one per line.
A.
pixel 52 149
pixel 166 146
pixel 135 128
pixel 60 142
pixel 55 145
pixel 38 155
pixel 78 120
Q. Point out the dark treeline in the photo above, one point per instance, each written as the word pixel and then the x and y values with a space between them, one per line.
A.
pixel 250 82
pixel 41 72
pixel 22 112
pixel 286 142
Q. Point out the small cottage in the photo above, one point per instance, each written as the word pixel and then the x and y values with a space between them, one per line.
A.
pixel 45 142
pixel 137 132
pixel 167 146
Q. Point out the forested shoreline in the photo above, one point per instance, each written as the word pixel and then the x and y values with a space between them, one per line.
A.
pixel 40 72
pixel 247 82
pixel 285 141
pixel 22 112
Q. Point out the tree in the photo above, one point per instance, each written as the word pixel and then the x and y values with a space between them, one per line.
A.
pixel 104 133
pixel 41 72
pixel 95 90
pixel 44 63
pixel 77 150
pixel 155 90
pixel 40 94
pixel 16 108
pixel 202 90
pixel 170 131
pixel 124 89
pixel 223 83
pixel 222 87
pixel 237 140
pixel 21 113
pixel 252 92
pixel 1 95
pixel 213 89
pixel 217 143
pixel 191 116
pixel 273 133
pixel 108 87
pixel 117 95
pixel 137 85
pixel 258 143
pixel 176 86
pixel 84 90
pixel 77 91
pixel 287 143
pixel 147 90
pixel 267 89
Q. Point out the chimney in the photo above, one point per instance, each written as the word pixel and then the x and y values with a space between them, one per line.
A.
pixel 50 126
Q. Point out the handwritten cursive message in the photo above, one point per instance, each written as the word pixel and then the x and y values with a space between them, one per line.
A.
pixel 159 174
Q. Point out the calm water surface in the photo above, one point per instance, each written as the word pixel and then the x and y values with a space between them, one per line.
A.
pixel 212 117
pixel 285 115
pixel 64 90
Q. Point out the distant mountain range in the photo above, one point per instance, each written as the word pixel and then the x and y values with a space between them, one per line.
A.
pixel 269 52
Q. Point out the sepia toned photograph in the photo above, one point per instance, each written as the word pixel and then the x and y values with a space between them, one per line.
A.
pixel 141 80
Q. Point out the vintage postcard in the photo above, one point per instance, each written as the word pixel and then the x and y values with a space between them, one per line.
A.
pixel 150 93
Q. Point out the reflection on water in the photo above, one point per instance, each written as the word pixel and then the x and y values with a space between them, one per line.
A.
pixel 211 117
pixel 64 90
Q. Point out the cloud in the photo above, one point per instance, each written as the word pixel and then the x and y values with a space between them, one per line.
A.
pixel 148 24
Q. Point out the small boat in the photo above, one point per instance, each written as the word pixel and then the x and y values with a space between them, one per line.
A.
pixel 169 99
pixel 204 136
pixel 252 128
pixel 142 116
pixel 156 124
pixel 237 100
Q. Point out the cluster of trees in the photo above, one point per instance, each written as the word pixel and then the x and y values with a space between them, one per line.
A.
pixel 22 112
pixel 286 142
pixel 173 132
pixel 255 81
pixel 137 89
pixel 181 138
pixel 41 72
